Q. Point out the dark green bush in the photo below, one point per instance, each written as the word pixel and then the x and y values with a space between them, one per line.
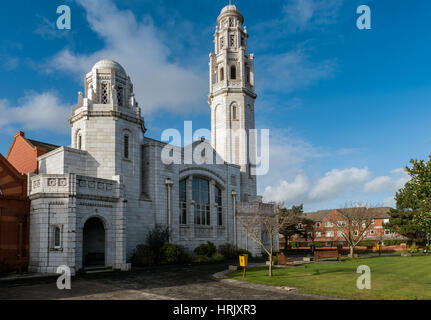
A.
pixel 173 254
pixel 143 256
pixel 206 250
pixel 319 244
pixel 156 239
pixel 228 250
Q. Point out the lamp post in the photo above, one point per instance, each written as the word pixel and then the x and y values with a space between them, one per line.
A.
pixel 234 218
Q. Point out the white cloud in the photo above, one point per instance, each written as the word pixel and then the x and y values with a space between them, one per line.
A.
pixel 391 183
pixel 140 47
pixel 337 181
pixel 310 191
pixel 43 111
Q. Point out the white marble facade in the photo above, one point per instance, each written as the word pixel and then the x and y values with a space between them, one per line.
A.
pixel 100 196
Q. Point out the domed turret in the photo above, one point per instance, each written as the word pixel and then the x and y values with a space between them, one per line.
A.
pixel 230 11
pixel 108 64
pixel 108 83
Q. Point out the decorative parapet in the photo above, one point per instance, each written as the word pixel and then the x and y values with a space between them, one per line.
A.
pixel 73 185
pixel 50 183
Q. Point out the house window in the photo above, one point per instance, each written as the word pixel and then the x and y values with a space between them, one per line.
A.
pixel 300 226
pixel 233 72
pixel 318 225
pixel 329 234
pixel 329 224
pixel 339 234
pixel 318 234
pixel 356 233
pixel 372 221
pixel 183 201
pixel 218 201
pixel 341 223
pixel 387 232
pixel 386 221
pixel 126 146
pixel 56 237
pixel 201 198
pixel 372 232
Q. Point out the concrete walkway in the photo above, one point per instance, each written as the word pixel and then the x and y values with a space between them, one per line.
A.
pixel 190 282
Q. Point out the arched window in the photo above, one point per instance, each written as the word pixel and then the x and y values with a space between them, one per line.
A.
pixel 183 201
pixel 126 147
pixel 120 96
pixel 215 76
pixel 247 72
pixel 234 112
pixel 233 72
pixel 201 197
pixel 79 142
pixel 56 239
pixel 218 200
pixel 221 74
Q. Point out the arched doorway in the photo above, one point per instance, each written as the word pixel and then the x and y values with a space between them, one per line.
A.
pixel 93 245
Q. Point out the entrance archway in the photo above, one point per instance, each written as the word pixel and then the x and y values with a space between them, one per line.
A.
pixel 93 244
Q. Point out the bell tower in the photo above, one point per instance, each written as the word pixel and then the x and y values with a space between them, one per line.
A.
pixel 232 95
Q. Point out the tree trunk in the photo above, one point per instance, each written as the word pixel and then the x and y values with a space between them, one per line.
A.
pixel 270 258
pixel 352 251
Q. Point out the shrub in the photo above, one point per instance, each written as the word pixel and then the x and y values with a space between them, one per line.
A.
pixel 156 239
pixel 143 256
pixel 172 254
pixel 414 249
pixel 218 257
pixel 206 250
pixel 427 249
pixel 228 250
pixel 319 244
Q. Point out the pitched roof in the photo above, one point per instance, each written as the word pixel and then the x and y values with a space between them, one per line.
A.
pixel 317 216
pixel 47 146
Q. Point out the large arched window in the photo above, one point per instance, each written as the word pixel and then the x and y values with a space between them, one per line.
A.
pixel 201 197
pixel 219 203
pixel 183 201
pixel 233 73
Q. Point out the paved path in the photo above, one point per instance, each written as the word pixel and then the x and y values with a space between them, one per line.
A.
pixel 167 282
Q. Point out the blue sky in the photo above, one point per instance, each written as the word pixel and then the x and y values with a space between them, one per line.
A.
pixel 346 108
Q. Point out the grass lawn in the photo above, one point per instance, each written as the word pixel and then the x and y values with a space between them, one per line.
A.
pixel 391 278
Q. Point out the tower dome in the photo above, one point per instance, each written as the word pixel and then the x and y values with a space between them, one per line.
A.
pixel 230 10
pixel 108 64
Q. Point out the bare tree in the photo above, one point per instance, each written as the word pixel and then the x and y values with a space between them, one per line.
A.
pixel 261 223
pixel 353 224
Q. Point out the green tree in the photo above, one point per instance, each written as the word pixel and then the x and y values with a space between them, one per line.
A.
pixel 412 216
pixel 290 220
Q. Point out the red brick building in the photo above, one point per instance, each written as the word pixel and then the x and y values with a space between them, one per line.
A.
pixel 324 229
pixel 14 218
pixel 23 153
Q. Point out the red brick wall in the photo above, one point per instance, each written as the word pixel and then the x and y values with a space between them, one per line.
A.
pixel 22 155
pixel 377 227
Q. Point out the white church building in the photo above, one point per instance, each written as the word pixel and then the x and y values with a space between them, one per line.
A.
pixel 93 202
